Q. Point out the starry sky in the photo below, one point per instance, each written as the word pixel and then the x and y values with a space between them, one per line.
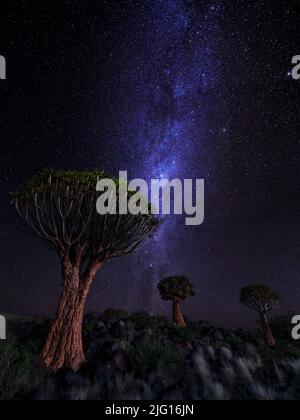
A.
pixel 159 88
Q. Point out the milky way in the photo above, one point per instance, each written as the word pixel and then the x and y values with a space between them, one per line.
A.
pixel 160 88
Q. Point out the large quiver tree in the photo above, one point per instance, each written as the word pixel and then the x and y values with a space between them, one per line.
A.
pixel 60 207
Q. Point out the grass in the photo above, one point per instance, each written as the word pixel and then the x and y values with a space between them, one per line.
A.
pixel 149 357
pixel 144 321
pixel 15 368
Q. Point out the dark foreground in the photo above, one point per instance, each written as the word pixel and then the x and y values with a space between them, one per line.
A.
pixel 139 357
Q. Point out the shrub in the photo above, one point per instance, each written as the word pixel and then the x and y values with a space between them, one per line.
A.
pixel 149 357
pixel 116 314
pixel 15 366
pixel 143 321
pixel 183 335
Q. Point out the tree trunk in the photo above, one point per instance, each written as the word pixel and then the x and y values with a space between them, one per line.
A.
pixel 63 348
pixel 177 315
pixel 270 340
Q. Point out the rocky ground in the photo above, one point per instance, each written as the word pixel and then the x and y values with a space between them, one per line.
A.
pixel 142 357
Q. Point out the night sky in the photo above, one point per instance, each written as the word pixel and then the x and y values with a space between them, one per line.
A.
pixel 160 88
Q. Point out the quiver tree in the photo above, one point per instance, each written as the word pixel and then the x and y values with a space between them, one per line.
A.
pixel 261 299
pixel 176 289
pixel 60 207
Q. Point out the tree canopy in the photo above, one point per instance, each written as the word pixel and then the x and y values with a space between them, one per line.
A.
pixel 176 288
pixel 60 206
pixel 259 297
